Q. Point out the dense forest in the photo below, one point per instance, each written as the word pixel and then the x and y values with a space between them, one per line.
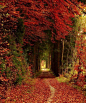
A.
pixel 35 30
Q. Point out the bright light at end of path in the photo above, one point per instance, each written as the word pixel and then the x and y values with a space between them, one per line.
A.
pixel 42 69
pixel 45 69
pixel 85 37
pixel 78 34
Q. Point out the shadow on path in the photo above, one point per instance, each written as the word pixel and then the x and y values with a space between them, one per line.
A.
pixel 46 74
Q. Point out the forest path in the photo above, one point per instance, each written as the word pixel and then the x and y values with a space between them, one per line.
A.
pixel 52 93
pixel 46 74
pixel 60 92
pixel 45 90
pixel 64 93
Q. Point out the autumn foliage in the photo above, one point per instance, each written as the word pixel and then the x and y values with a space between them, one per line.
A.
pixel 40 16
pixel 24 22
pixel 12 61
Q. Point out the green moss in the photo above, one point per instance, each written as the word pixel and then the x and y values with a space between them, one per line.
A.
pixel 2 66
pixel 8 72
pixel 18 80
pixel 37 73
pixel 63 79
pixel 14 68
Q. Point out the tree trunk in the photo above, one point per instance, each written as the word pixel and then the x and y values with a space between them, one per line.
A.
pixel 62 54
pixel 56 58
pixel 48 62
pixel 36 57
pixel 38 61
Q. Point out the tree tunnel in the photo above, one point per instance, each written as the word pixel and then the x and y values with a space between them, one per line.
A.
pixel 47 56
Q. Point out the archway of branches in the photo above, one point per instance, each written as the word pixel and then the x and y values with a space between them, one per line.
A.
pixel 47 56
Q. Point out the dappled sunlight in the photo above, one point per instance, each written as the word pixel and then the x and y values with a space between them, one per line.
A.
pixel 45 70
pixel 43 64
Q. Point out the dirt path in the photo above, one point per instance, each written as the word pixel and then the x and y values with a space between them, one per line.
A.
pixel 52 90
pixel 46 90
pixel 46 74
pixel 61 92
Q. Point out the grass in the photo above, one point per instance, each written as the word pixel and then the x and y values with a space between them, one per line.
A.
pixel 37 74
pixel 61 78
